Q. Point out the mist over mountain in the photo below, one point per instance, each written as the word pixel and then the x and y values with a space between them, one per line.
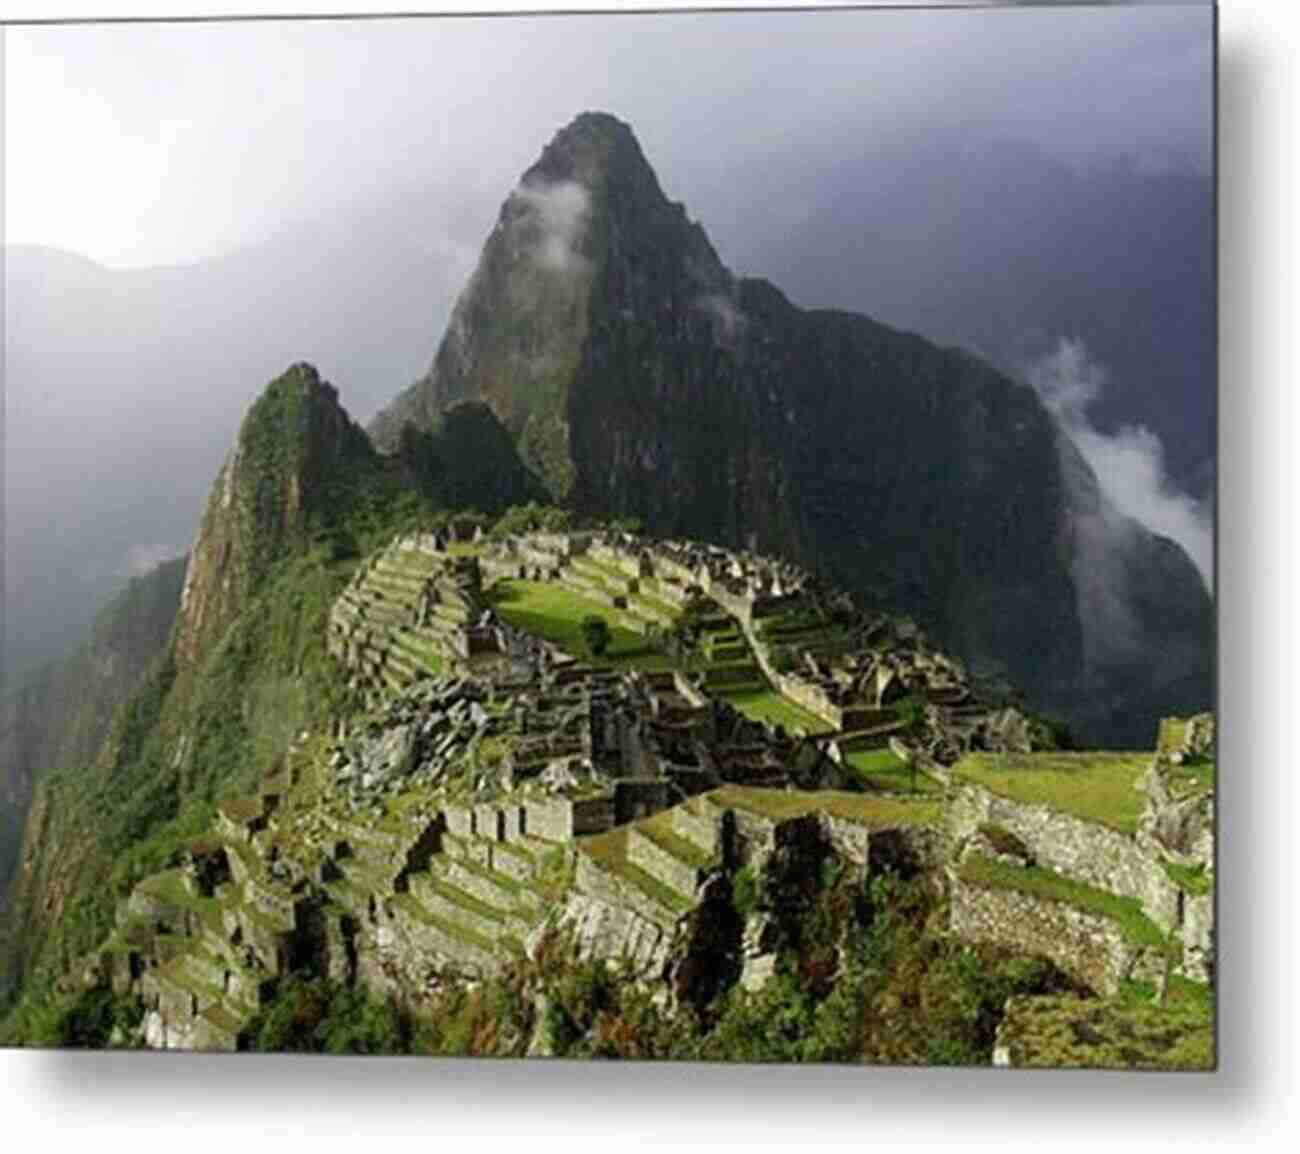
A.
pixel 134 381
pixel 641 377
pixel 124 389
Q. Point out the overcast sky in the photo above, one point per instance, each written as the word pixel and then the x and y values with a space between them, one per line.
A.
pixel 138 145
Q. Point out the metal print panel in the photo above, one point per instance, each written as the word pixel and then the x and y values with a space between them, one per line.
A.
pixel 633 536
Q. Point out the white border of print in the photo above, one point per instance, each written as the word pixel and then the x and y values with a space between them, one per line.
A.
pixel 254 1103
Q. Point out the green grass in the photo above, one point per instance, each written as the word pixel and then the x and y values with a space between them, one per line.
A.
pixel 555 613
pixel 168 887
pixel 502 881
pixel 659 829
pixel 873 812
pixel 241 809
pixel 1173 730
pixel 423 652
pixel 1192 777
pixel 1097 787
pixel 884 769
pixel 466 900
pixel 1190 879
pixel 768 705
pixel 1035 881
pixel 609 851
pixel 606 848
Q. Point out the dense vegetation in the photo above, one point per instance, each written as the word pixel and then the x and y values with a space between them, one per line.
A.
pixel 59 718
pixel 864 975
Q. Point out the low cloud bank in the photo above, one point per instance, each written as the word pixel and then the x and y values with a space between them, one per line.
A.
pixel 1129 464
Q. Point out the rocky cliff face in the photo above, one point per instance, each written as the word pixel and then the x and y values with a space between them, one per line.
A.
pixel 640 377
pixel 296 447
pixel 301 496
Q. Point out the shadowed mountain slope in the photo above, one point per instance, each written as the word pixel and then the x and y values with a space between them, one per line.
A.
pixel 640 377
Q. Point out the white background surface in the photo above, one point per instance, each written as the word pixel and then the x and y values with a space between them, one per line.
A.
pixel 185 1104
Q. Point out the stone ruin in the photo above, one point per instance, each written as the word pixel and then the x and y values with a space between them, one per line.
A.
pixel 418 845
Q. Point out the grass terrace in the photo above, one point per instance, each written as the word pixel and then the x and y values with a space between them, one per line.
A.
pixel 609 851
pixel 555 613
pixel 1126 913
pixel 864 809
pixel 1193 777
pixel 659 829
pixel 768 705
pixel 1097 787
pixel 1192 880
pixel 884 769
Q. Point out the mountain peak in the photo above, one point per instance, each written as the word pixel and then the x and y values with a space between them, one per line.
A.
pixel 295 444
pixel 598 151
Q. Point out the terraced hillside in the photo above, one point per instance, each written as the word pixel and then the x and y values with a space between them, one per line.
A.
pixel 423 888
pixel 1104 863
pixel 513 804
pixel 392 623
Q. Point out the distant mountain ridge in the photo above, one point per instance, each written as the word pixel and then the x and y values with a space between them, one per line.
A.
pixel 62 716
pixel 641 378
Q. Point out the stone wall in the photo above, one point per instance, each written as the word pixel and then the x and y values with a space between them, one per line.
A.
pixel 1088 947
pixel 562 818
pixel 678 875
pixel 1082 850
pixel 1197 934
pixel 616 932
pixel 594 882
pixel 704 831
pixel 460 820
pixel 551 818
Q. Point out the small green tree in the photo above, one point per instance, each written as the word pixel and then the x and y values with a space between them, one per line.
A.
pixel 595 634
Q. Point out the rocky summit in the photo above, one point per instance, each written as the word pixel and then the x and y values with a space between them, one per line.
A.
pixel 640 377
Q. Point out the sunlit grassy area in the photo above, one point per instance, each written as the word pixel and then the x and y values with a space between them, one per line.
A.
pixel 768 705
pixel 1126 913
pixel 555 613
pixel 1193 777
pixel 609 850
pixel 884 769
pixel 1100 787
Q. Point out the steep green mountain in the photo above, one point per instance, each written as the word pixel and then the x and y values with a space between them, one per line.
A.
pixel 60 717
pixel 301 496
pixel 641 378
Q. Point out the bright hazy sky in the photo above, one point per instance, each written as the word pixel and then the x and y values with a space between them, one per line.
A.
pixel 156 144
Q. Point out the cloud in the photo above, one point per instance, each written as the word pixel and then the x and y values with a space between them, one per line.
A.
pixel 729 320
pixel 141 559
pixel 558 215
pixel 1129 464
